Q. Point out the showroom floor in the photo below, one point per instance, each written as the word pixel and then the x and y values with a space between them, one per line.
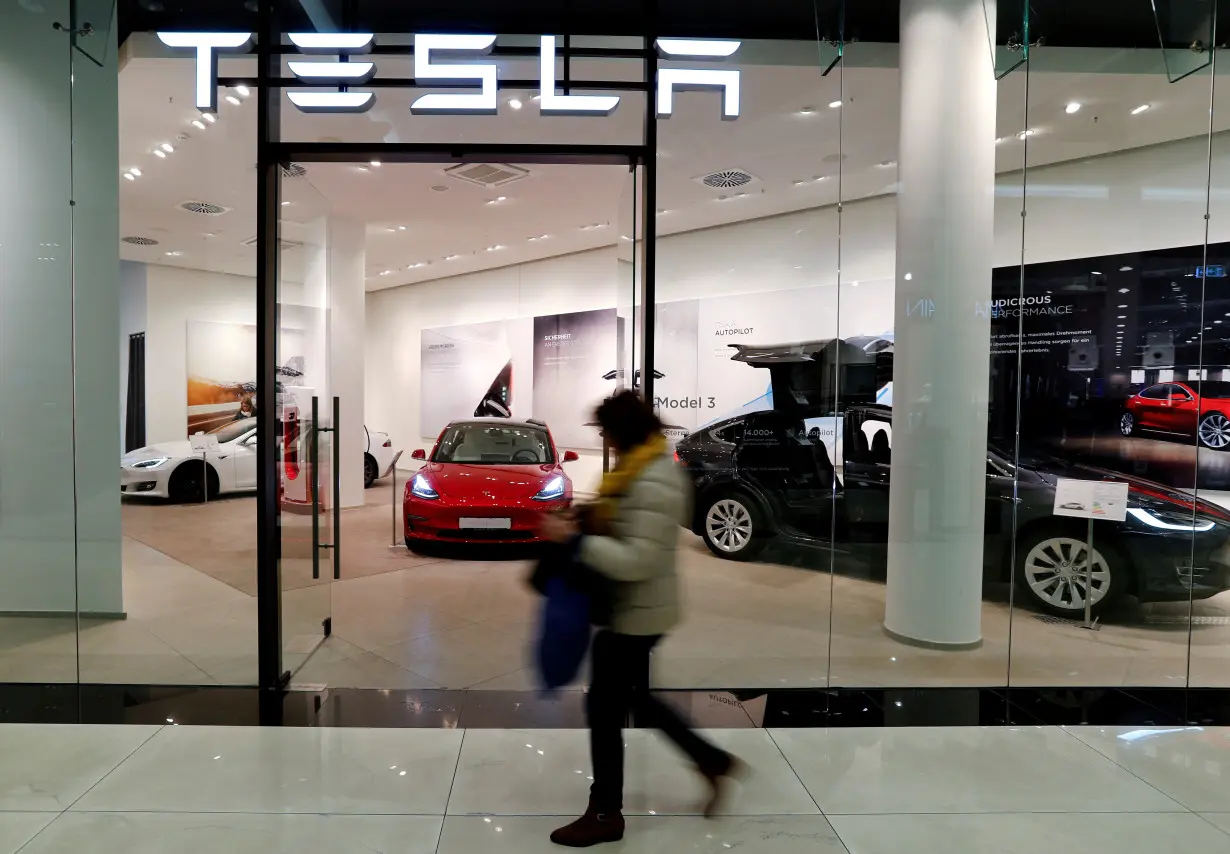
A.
pixel 148 790
pixel 410 621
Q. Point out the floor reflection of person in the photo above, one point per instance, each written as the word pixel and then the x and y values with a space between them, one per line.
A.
pixel 628 536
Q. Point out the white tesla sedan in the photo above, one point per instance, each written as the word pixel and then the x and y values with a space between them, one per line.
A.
pixel 175 470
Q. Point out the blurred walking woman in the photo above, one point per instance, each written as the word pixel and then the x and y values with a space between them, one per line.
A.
pixel 628 537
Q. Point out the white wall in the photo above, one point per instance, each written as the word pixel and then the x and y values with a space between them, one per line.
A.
pixel 1141 199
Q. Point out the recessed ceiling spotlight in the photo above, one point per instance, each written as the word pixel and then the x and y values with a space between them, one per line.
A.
pixel 386 272
pixel 1124 290
pixel 1073 107
pixel 375 164
pixel 495 248
pixel 1140 109
pixel 130 176
pixel 451 257
pixel 515 103
pixel 497 200
pixel 417 264
pixel 209 117
pixel 807 111
pixel 231 99
pixel 539 237
pixel 173 254
pixel 1095 272
pixel 243 91
pixel 198 124
pixel 1123 306
pixel 158 152
pixel 1122 317
pixel 1125 269
pixel 834 104
pixel 364 168
pixel 167 147
pixel 135 171
pixel 401 228
pixel 1120 325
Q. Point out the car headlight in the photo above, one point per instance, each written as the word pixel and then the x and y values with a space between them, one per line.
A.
pixel 1166 520
pixel 552 490
pixel 149 464
pixel 422 488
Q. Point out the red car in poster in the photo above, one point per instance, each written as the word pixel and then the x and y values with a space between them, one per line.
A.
pixel 486 479
pixel 1199 408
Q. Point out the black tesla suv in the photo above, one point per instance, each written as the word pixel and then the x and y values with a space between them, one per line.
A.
pixel 768 477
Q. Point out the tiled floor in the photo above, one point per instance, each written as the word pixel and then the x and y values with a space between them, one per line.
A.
pixel 150 790
pixel 409 622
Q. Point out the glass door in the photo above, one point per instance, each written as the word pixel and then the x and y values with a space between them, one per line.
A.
pixel 307 412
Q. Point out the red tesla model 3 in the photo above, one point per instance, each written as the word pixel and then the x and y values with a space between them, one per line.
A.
pixel 486 479
pixel 1199 408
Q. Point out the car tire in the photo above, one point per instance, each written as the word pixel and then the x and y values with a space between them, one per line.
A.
pixel 1214 431
pixel 732 526
pixel 1127 424
pixel 1050 571
pixel 188 483
pixel 370 471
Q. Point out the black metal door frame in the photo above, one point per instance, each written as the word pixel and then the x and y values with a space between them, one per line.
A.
pixel 272 153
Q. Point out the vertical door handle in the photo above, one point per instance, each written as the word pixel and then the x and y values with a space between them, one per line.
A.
pixel 337 488
pixel 315 467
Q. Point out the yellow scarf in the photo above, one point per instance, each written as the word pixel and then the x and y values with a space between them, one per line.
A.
pixel 616 482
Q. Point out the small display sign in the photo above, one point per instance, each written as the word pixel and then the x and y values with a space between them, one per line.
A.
pixel 1213 271
pixel 1091 499
pixel 203 441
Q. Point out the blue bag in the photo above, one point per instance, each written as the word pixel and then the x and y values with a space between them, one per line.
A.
pixel 564 632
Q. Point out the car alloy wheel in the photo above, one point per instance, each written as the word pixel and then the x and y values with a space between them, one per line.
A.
pixel 728 525
pixel 1127 424
pixel 369 471
pixel 1215 431
pixel 1055 570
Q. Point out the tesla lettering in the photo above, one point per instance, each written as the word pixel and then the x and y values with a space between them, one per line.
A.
pixel 428 47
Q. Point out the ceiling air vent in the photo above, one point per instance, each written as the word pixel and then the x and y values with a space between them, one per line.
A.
pixel 487 174
pixel 140 241
pixel 283 243
pixel 204 208
pixel 727 179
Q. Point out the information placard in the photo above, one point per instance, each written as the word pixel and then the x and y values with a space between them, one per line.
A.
pixel 203 442
pixel 1091 499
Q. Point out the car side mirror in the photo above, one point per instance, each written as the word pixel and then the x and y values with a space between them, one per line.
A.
pixel 419 454
pixel 571 456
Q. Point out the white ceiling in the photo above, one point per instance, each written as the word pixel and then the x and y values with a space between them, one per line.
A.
pixel 409 223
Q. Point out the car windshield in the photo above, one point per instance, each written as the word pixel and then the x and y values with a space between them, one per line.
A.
pixel 489 444
pixel 235 429
pixel 1212 389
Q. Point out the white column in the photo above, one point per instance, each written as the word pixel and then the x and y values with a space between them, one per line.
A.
pixel 347 340
pixel 945 218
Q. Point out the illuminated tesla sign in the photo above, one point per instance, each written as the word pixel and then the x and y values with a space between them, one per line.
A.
pixel 439 61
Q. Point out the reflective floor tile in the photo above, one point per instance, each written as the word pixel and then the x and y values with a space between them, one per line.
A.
pixel 187 833
pixel 1192 765
pixel 18 828
pixel 48 767
pixel 1053 833
pixel 649 835
pixel 546 772
pixel 967 769
pixel 250 769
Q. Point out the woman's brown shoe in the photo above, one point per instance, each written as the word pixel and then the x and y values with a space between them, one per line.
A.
pixel 719 780
pixel 593 828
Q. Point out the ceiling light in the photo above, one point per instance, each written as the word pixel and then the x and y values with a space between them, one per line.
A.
pixel 231 99
pixel 834 104
pixel 284 204
pixel 1120 325
pixel 536 98
pixel 1122 317
pixel 808 110
pixel 209 117
pixel 909 276
pixel 386 272
pixel 1125 269
pixel 167 147
pixel 1140 109
pixel 1073 107
pixel 130 176
pixel 158 152
pixel 495 248
pixel 197 123
pixel 173 254
pixel 376 164
pixel 1124 290
pixel 1026 133
pixel 1095 272
pixel 539 237
pixel 401 228
pixel 135 171
pixel 497 200
pixel 243 91
pixel 451 257
pixel 1123 306
pixel 998 140
pixel 515 103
